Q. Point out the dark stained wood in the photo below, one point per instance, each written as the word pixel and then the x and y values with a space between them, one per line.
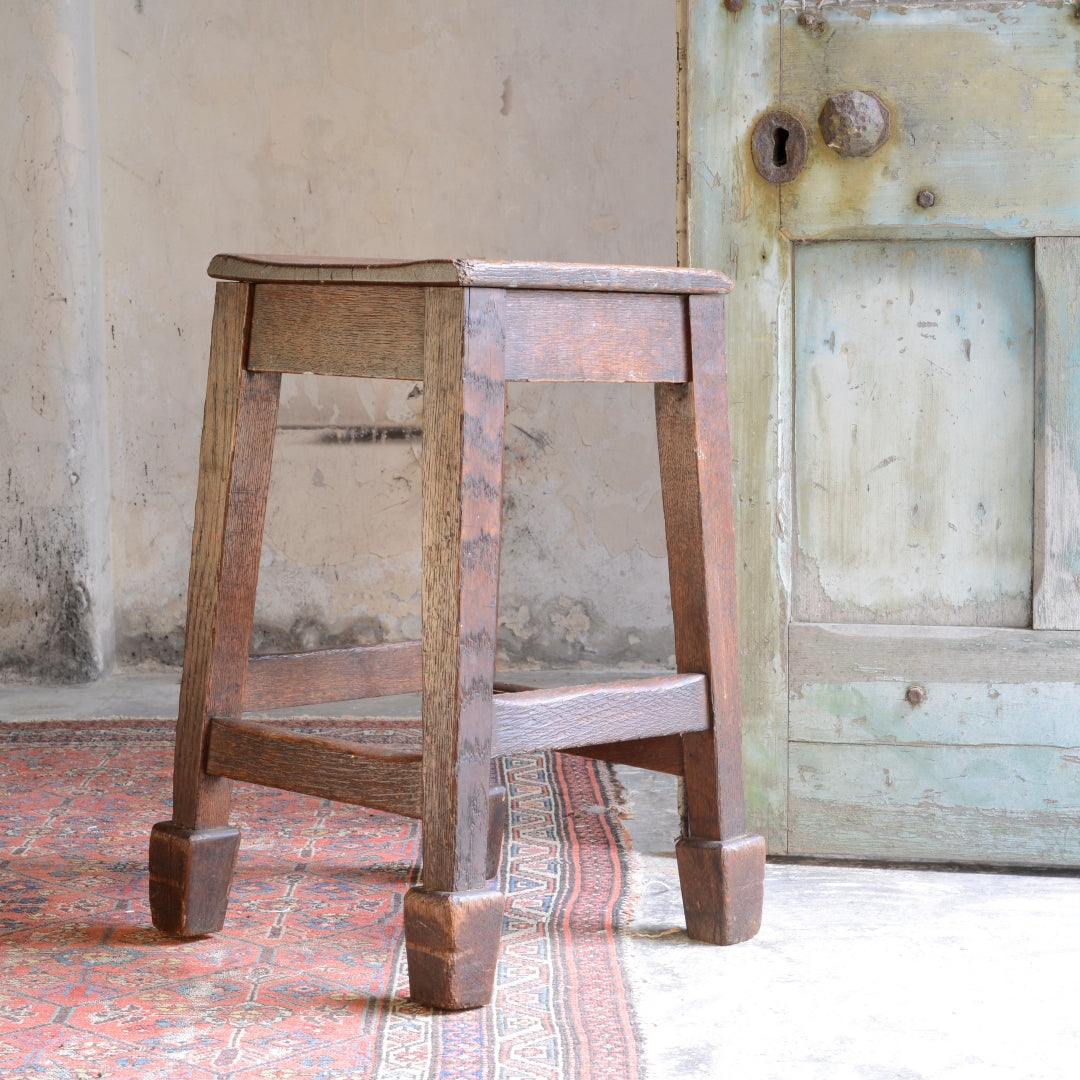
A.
pixel 723 887
pixel 285 680
pixel 190 871
pixel 604 713
pixel 469 272
pixel 596 337
pixel 498 811
pixel 348 772
pixel 464 405
pixel 452 946
pixel 662 754
pixel 230 506
pixel 695 475
pixel 376 333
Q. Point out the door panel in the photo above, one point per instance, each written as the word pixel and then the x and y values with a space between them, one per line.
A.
pixel 908 511
pixel 983 107
pixel 913 432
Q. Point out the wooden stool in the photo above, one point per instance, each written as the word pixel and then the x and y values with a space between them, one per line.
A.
pixel 465 328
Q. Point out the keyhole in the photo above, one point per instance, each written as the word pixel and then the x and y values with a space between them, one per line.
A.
pixel 778 146
pixel 779 150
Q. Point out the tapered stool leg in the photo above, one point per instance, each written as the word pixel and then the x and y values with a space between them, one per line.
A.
pixel 721 867
pixel 192 856
pixel 453 920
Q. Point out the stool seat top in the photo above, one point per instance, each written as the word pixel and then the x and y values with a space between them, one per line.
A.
pixel 467 272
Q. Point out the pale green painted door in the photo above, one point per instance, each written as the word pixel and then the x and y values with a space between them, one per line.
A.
pixel 904 351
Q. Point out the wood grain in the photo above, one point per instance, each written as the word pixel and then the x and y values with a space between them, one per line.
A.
pixel 468 272
pixel 234 473
pixel 1056 548
pixel 313 678
pixel 464 404
pixel 998 95
pixel 908 358
pixel 733 223
pixel 695 476
pixel 595 337
pixel 374 333
pixel 604 713
pixel 662 754
pixel 365 775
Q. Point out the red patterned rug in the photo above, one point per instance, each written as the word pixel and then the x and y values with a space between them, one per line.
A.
pixel 308 979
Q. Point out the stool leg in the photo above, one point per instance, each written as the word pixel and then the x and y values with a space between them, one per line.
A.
pixel 192 856
pixel 721 868
pixel 453 920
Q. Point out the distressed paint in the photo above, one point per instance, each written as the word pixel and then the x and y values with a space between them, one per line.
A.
pixel 733 225
pixel 985 804
pixel 1056 587
pixel 969 121
pixel 913 432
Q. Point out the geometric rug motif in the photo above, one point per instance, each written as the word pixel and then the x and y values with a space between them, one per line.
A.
pixel 307 980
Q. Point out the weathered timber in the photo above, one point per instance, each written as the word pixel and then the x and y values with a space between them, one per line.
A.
pixel 661 754
pixel 605 713
pixel 284 680
pixel 381 777
pixel 375 333
pixel 230 507
pixel 468 272
pixel 556 336
pixel 1056 572
pixel 464 405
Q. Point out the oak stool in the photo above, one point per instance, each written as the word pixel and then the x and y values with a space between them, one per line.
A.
pixel 465 328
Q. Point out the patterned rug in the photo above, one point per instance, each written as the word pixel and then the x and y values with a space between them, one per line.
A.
pixel 308 980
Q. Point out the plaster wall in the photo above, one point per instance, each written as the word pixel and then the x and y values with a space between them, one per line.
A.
pixel 364 127
pixel 56 608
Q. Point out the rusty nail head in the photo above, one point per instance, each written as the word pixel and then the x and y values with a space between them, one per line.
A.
pixel 854 123
pixel 814 23
pixel 926 198
pixel 916 694
pixel 734 5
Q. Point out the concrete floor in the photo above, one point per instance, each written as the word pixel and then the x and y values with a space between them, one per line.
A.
pixel 857 974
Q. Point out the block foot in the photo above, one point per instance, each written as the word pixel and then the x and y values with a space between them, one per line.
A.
pixel 723 887
pixel 190 874
pixel 452 945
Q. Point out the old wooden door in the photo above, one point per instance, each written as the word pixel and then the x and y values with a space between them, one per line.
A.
pixel 904 353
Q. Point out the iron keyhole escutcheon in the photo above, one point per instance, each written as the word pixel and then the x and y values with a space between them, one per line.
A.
pixel 778 146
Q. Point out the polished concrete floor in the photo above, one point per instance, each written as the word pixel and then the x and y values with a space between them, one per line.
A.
pixel 857 974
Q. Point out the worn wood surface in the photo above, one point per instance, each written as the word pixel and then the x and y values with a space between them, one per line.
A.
pixel 732 214
pixel 979 766
pixel 287 679
pixel 464 406
pixel 190 873
pixel 661 754
pixel 982 101
pixel 595 337
pixel 1056 600
pixel 452 946
pixel 695 480
pixel 577 715
pixel 234 473
pixel 468 272
pixel 375 333
pixel 965 804
pixel 913 432
pixel 382 778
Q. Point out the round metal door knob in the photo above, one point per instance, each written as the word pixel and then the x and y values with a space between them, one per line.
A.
pixel 854 123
